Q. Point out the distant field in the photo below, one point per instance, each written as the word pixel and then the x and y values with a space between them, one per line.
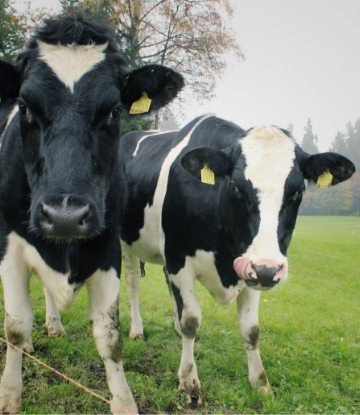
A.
pixel 310 340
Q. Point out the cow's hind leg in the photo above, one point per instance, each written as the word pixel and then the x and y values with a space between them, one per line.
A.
pixel 53 320
pixel 18 325
pixel 189 312
pixel 248 307
pixel 133 277
pixel 103 289
pixel 176 316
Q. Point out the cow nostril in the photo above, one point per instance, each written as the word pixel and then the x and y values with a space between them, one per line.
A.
pixel 85 217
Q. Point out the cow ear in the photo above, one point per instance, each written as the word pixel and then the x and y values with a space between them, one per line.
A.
pixel 217 161
pixel 9 81
pixel 161 84
pixel 314 166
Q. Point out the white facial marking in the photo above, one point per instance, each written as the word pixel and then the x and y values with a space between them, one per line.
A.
pixel 71 62
pixel 270 155
pixel 10 118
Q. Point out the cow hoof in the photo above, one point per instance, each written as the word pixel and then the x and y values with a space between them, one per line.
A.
pixel 265 390
pixel 54 327
pixel 10 405
pixel 28 346
pixel 127 406
pixel 192 390
pixel 135 336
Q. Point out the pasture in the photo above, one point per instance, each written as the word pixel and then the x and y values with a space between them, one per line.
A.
pixel 309 341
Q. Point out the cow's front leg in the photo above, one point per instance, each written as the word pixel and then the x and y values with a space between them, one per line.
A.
pixel 53 320
pixel 248 312
pixel 176 317
pixel 189 312
pixel 103 289
pixel 18 324
pixel 133 277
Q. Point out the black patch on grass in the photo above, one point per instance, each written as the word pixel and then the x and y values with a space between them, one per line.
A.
pixel 257 405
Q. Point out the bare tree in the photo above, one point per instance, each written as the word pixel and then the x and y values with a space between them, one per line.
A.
pixel 190 36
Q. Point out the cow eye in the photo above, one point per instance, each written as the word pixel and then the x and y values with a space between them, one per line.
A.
pixel 23 109
pixel 115 113
pixel 298 195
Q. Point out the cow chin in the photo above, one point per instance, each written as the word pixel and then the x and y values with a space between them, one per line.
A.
pixel 65 218
pixel 259 287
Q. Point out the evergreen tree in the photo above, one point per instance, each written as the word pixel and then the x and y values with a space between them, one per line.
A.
pixel 12 31
pixel 290 128
pixel 339 144
pixel 353 141
pixel 309 141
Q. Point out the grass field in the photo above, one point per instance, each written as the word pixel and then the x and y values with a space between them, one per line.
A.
pixel 310 340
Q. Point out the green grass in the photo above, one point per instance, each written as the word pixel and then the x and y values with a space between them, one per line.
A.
pixel 310 340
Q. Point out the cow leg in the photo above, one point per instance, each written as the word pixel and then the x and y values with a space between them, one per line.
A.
pixel 133 277
pixel 248 307
pixel 189 312
pixel 176 317
pixel 53 320
pixel 18 325
pixel 103 289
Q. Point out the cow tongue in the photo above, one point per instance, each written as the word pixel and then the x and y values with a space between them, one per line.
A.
pixel 240 265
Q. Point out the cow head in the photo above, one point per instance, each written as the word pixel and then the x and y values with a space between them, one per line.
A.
pixel 261 182
pixel 72 84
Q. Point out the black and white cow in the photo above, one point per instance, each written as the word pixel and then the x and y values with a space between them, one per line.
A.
pixel 62 188
pixel 232 235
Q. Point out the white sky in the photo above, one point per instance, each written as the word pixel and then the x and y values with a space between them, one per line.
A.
pixel 302 60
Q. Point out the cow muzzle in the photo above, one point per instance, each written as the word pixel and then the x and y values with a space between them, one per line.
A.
pixel 262 274
pixel 67 218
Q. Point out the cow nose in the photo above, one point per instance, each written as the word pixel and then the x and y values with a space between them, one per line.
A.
pixel 265 272
pixel 68 222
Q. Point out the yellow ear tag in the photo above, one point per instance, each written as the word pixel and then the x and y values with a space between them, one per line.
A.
pixel 207 175
pixel 325 180
pixel 141 106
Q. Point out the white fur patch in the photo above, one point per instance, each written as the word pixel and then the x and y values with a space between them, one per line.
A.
pixel 269 157
pixel 146 136
pixel 204 265
pixel 151 244
pixel 20 251
pixel 71 62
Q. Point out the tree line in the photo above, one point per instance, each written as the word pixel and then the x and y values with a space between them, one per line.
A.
pixel 343 199
pixel 174 33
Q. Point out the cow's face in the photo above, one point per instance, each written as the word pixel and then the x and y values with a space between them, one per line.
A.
pixel 69 102
pixel 262 181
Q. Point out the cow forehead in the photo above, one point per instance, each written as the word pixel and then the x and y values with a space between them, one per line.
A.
pixel 71 62
pixel 269 155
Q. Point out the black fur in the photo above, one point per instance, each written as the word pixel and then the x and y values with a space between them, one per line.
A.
pixel 65 145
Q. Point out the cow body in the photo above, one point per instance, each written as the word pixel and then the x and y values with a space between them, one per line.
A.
pixel 62 187
pixel 231 235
